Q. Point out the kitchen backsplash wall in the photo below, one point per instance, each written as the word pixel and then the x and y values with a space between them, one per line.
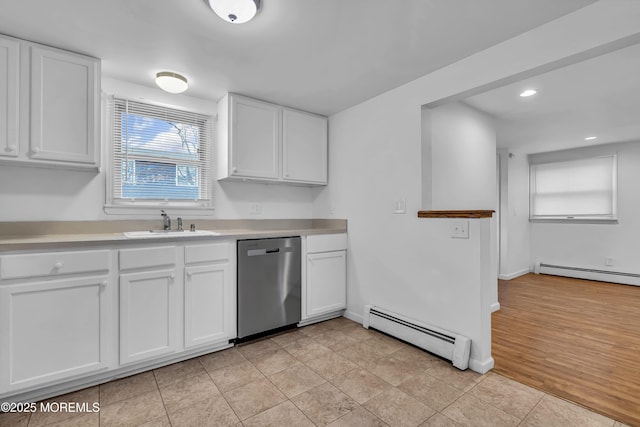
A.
pixel 41 194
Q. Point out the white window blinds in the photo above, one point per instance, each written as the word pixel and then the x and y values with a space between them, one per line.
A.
pixel 575 189
pixel 160 156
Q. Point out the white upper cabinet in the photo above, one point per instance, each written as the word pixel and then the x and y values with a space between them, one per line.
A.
pixel 304 147
pixel 255 133
pixel 64 106
pixel 9 68
pixel 260 141
pixel 50 106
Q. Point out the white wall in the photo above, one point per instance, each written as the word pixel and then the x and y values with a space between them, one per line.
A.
pixel 587 245
pixel 463 150
pixel 408 264
pixel 516 240
pixel 39 194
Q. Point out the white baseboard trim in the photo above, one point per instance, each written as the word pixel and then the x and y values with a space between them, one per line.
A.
pixel 513 275
pixel 354 316
pixel 589 274
pixel 320 318
pixel 495 307
pixel 44 392
pixel 481 366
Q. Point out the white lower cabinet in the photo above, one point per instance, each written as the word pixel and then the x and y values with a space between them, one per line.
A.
pixel 52 330
pixel 55 326
pixel 326 276
pixel 149 303
pixel 326 282
pixel 209 294
pixel 175 298
pixel 148 314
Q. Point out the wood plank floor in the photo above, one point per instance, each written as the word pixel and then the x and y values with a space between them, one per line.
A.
pixel 576 339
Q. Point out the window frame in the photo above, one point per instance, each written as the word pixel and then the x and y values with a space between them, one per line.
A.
pixel 576 218
pixel 119 206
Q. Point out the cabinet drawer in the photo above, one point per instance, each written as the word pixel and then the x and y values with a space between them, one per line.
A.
pixel 147 257
pixel 53 263
pixel 206 253
pixel 326 242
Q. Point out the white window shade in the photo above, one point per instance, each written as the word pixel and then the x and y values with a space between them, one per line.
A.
pixel 575 189
pixel 159 156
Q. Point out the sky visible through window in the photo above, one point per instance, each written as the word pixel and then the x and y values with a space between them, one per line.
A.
pixel 159 158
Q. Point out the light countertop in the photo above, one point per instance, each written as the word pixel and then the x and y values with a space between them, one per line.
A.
pixel 55 235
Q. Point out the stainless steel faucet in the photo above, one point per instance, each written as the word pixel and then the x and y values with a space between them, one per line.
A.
pixel 166 220
pixel 180 224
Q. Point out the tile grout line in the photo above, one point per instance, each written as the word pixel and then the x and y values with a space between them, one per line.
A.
pixel 358 367
pixel 221 393
pixel 289 398
pixel 534 407
pixel 164 406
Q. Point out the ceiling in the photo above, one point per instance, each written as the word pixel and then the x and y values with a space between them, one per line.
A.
pixel 597 97
pixel 318 55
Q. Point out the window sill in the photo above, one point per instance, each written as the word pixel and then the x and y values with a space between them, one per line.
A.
pixel 575 220
pixel 111 209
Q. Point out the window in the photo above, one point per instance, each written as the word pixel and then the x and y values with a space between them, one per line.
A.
pixel 580 189
pixel 159 156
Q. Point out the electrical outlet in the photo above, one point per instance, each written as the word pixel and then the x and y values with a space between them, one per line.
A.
pixel 608 261
pixel 255 209
pixel 460 230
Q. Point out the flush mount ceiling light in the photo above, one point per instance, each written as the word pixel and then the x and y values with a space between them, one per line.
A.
pixel 589 138
pixel 528 92
pixel 235 11
pixel 171 82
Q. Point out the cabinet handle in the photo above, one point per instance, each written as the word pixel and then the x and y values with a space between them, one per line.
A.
pixel 234 169
pixel 286 174
pixel 189 274
pixel 10 148
pixel 35 150
pixel 57 265
pixel 172 276
pixel 103 284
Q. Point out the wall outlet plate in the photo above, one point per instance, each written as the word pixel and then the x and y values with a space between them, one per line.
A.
pixel 255 209
pixel 460 229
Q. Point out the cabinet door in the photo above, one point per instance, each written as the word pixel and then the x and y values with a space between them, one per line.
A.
pixel 304 147
pixel 9 57
pixel 326 282
pixel 209 304
pixel 254 138
pixel 64 106
pixel 52 330
pixel 148 314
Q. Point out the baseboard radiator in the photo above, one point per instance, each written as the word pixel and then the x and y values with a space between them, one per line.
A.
pixel 445 344
pixel 588 273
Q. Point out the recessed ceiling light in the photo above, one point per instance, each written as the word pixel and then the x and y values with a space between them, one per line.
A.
pixel 589 138
pixel 171 82
pixel 528 92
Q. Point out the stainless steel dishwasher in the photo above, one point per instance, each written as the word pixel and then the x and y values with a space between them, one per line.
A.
pixel 269 284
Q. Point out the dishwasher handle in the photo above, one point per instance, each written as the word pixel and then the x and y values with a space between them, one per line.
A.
pixel 258 252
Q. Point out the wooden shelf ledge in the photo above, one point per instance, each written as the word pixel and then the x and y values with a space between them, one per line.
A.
pixel 456 214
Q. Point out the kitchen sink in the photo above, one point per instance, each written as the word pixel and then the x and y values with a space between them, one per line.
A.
pixel 150 234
